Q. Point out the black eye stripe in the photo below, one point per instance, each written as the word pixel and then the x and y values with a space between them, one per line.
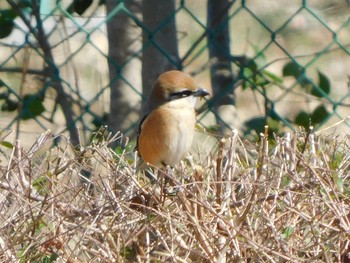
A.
pixel 180 94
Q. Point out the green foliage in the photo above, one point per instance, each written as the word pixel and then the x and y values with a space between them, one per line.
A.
pixel 28 253
pixel 41 257
pixel 128 252
pixel 287 232
pixel 122 151
pixel 339 182
pixel 99 135
pixel 261 80
pixel 286 181
pixel 41 185
pixel 258 125
pixel 253 78
pixel 323 88
pixel 336 160
pixel 7 144
pixel 6 22
pixel 9 105
pixel 274 78
pixel 79 6
pixel 317 116
pixel 303 119
pixel 7 17
pixel 50 258
pixel 292 69
pixel 32 106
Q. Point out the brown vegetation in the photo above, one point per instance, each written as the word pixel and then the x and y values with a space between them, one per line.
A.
pixel 280 200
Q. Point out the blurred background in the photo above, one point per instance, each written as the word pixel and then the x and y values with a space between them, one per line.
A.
pixel 74 65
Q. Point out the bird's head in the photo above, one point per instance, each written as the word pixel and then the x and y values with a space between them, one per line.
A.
pixel 175 85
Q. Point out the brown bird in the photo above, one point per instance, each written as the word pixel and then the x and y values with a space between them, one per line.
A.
pixel 166 131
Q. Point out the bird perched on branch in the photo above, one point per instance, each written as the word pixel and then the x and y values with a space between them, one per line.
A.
pixel 166 131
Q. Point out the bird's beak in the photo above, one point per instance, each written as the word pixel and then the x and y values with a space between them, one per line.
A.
pixel 200 93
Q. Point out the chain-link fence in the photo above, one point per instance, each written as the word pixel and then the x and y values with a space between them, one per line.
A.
pixel 289 63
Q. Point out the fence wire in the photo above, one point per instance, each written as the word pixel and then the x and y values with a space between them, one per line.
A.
pixel 290 65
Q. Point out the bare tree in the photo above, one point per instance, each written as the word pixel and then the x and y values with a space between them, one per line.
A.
pixel 52 72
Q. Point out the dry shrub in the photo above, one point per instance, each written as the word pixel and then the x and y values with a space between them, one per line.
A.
pixel 283 202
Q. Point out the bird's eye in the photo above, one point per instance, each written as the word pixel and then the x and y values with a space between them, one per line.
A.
pixel 180 94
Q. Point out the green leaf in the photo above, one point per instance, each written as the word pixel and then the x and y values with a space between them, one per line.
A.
pixel 6 22
pixel 249 68
pixel 6 144
pixel 323 84
pixel 292 69
pixel 303 119
pixel 80 6
pixel 319 115
pixel 119 150
pixel 9 105
pixel 272 76
pixel 251 64
pixel 286 181
pixel 32 106
pixel 287 232
pixel 336 160
pixel 247 73
pixel 128 252
pixel 8 14
pixel 274 125
pixel 251 76
pixel 339 182
pixel 215 128
pixel 50 259
pixel 295 70
pixel 4 96
pixel 256 124
pixel 261 81
pixel 245 85
pixel 40 184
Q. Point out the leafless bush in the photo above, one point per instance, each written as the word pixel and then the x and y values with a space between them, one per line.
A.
pixel 281 200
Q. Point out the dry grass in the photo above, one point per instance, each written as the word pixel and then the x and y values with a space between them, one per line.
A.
pixel 284 202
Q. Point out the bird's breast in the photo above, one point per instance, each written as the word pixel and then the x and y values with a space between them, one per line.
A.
pixel 182 137
pixel 166 135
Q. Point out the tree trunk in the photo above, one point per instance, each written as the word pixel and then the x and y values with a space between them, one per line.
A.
pixel 160 48
pixel 222 79
pixel 124 41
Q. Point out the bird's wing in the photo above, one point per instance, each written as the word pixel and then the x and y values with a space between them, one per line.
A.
pixel 139 131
